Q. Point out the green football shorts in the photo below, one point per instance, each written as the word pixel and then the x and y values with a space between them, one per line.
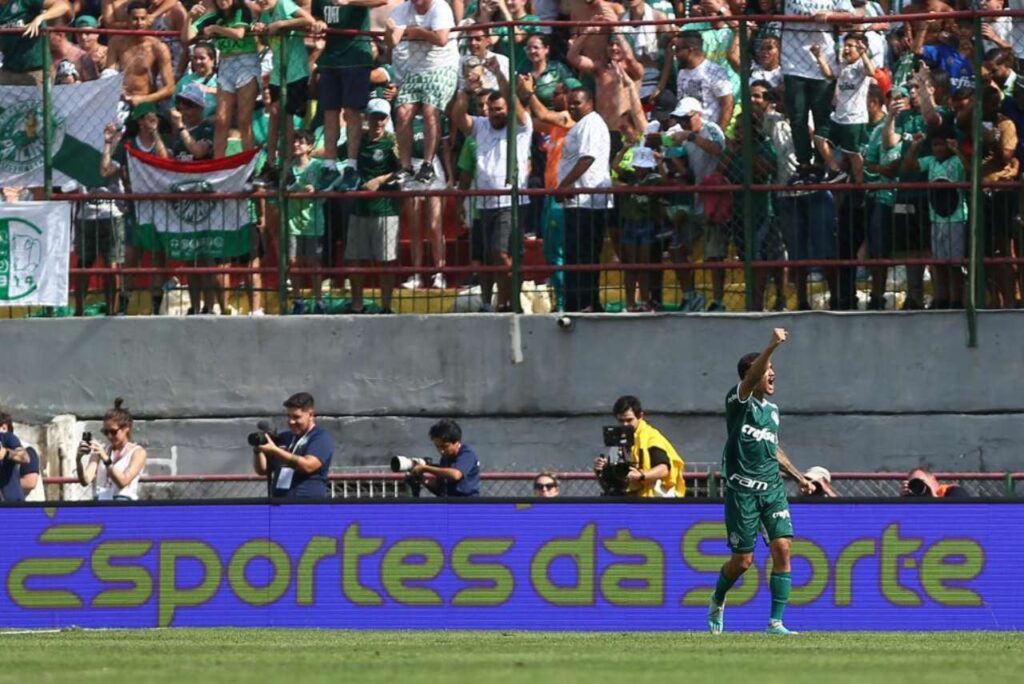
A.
pixel 747 513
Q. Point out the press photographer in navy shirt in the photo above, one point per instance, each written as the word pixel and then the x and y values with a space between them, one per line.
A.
pixel 12 458
pixel 297 460
pixel 458 474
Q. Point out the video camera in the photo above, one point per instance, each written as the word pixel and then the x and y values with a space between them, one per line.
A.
pixel 259 438
pixel 614 476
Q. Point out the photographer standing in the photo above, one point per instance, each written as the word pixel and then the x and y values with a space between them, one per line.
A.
pixel 655 468
pixel 14 459
pixel 116 472
pixel 458 474
pixel 297 460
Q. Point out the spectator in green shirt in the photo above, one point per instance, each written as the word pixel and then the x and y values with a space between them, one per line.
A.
pixel 280 24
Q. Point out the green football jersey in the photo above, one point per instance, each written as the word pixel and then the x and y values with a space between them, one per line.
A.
pixel 749 460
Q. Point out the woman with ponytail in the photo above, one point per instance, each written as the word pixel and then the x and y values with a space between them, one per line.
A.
pixel 116 472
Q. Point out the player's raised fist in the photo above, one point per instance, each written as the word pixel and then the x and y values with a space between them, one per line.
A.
pixel 779 336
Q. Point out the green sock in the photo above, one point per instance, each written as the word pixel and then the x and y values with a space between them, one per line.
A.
pixel 780 584
pixel 723 585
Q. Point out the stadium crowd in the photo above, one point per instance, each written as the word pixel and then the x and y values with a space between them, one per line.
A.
pixel 424 103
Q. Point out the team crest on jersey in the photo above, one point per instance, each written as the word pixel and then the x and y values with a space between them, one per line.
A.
pixel 378 155
pixel 734 539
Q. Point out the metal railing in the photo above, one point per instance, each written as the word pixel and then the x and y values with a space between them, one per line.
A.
pixel 886 263
pixel 386 485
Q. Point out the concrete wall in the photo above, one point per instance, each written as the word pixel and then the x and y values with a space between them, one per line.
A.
pixel 857 391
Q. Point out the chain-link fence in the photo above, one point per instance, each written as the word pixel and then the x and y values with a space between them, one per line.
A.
pixel 380 485
pixel 700 157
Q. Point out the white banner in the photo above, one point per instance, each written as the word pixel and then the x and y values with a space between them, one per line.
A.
pixel 80 112
pixel 35 253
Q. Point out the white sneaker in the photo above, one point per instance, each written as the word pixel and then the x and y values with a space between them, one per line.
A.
pixel 439 283
pixel 256 313
pixel 414 282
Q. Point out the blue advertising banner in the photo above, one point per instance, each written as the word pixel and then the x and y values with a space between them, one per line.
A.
pixel 562 566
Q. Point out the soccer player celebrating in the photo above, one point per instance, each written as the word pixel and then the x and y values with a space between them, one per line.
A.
pixel 755 495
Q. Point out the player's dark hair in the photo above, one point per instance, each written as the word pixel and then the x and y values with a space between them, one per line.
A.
pixel 300 400
pixel 495 96
pixel 6 421
pixel 627 403
pixel 305 136
pixel 446 430
pixel 746 361
pixel 138 4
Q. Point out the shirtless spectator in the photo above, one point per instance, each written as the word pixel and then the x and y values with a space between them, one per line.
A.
pixel 144 61
pixel 23 52
pixel 593 44
pixel 931 27
pixel 90 42
pixel 63 50
pixel 164 15
pixel 617 74
pixel 703 80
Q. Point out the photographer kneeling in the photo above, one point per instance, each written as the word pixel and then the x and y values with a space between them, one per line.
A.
pixel 458 473
pixel 297 460
pixel 648 465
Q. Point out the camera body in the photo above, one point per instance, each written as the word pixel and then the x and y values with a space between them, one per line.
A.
pixel 403 464
pixel 257 439
pixel 87 437
pixel 918 487
pixel 618 436
pixel 614 476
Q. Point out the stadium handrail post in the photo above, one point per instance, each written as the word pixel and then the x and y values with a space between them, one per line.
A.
pixel 976 268
pixel 283 156
pixel 747 126
pixel 513 176
pixel 44 46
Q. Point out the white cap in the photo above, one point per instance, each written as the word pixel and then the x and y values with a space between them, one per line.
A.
pixel 378 105
pixel 818 474
pixel 643 158
pixel 652 127
pixel 687 106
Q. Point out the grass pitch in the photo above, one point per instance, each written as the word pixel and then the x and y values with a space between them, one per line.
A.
pixel 298 656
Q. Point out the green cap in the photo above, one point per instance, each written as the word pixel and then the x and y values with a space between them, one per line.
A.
pixel 572 83
pixel 85 21
pixel 142 110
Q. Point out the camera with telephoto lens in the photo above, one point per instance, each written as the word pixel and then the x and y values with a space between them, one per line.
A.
pixel 403 464
pixel 614 477
pixel 918 487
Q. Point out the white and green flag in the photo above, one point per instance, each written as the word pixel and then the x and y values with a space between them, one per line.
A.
pixel 197 226
pixel 35 248
pixel 79 114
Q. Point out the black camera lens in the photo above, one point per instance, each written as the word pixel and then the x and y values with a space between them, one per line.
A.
pixel 257 439
pixel 86 436
pixel 918 487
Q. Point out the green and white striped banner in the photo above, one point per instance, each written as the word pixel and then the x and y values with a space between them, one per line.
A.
pixel 80 112
pixel 35 249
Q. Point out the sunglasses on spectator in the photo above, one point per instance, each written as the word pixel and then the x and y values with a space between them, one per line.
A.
pixel 545 485
pixel 109 432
